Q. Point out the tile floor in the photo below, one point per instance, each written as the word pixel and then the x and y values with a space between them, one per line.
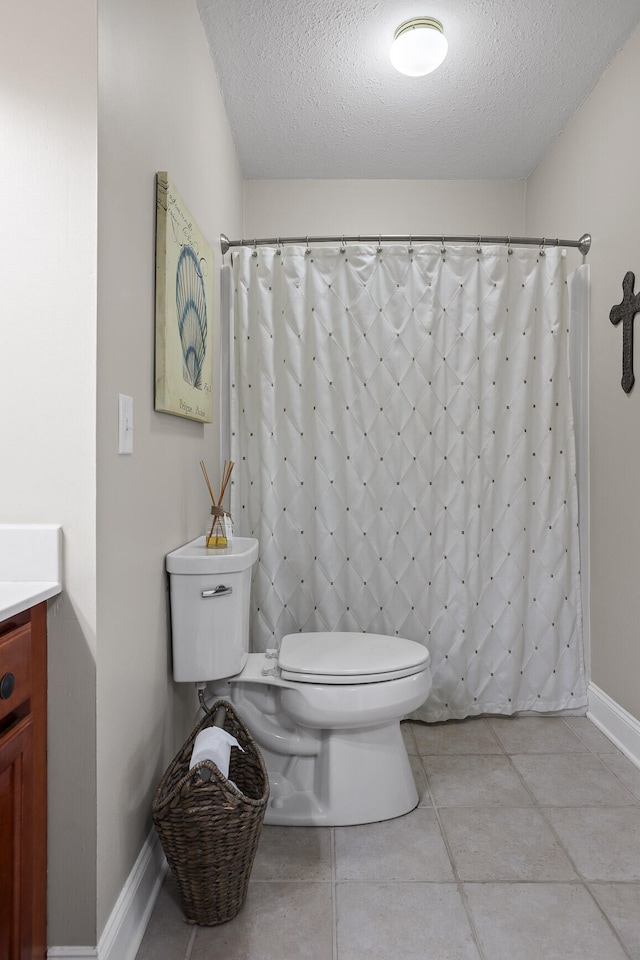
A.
pixel 525 844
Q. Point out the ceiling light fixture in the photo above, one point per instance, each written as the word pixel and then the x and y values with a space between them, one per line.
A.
pixel 419 46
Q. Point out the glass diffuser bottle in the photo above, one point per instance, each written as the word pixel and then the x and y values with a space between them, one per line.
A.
pixel 215 532
pixel 218 531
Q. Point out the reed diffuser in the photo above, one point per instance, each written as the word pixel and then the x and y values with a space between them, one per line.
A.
pixel 218 532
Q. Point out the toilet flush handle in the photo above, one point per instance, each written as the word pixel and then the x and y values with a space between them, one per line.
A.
pixel 220 591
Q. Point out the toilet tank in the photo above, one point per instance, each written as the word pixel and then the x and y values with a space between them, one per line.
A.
pixel 210 592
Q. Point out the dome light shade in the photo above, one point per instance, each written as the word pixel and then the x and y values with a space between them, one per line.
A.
pixel 419 46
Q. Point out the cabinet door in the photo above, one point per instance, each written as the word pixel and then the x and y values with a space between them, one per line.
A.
pixel 16 853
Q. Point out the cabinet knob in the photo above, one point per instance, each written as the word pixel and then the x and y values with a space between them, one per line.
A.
pixel 7 685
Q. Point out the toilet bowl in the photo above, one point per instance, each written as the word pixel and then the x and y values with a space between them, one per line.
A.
pixel 325 708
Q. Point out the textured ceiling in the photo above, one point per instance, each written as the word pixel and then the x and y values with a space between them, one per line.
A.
pixel 310 91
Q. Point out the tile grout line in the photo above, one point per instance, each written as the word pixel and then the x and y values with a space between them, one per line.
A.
pixel 584 883
pixel 496 737
pixel 334 898
pixel 603 763
pixel 613 930
pixel 190 945
pixel 582 880
pixel 590 750
pixel 459 884
pixel 368 881
pixel 601 757
pixel 634 800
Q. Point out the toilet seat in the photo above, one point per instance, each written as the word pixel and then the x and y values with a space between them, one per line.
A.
pixel 334 658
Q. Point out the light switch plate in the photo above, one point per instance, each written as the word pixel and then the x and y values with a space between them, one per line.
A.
pixel 125 424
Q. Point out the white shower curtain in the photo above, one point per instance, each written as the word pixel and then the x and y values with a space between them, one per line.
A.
pixel 403 438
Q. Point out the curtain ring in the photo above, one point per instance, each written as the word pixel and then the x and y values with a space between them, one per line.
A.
pixel 410 243
pixel 379 243
pixel 509 247
pixel 443 249
pixel 343 247
pixel 542 252
pixel 255 248
pixel 479 247
pixel 307 250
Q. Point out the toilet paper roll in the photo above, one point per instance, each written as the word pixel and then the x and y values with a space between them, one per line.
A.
pixel 214 744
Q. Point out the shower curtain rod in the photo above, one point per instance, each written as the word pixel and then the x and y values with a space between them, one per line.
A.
pixel 583 244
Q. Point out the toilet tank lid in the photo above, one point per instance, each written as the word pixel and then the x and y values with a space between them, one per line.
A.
pixel 349 654
pixel 195 558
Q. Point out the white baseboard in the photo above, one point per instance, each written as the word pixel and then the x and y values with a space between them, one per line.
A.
pixel 72 953
pixel 621 727
pixel 125 928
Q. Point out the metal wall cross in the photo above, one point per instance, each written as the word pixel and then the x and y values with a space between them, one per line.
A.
pixel 626 311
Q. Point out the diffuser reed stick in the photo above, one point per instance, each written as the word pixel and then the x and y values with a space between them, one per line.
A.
pixel 226 476
pixel 206 480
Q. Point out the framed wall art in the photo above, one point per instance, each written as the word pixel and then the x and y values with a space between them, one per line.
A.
pixel 184 309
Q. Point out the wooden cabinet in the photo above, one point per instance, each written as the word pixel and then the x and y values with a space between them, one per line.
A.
pixel 23 785
pixel 16 846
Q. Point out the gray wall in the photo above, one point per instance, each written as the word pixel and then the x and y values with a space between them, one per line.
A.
pixel 48 241
pixel 323 207
pixel 81 146
pixel 588 181
pixel 159 109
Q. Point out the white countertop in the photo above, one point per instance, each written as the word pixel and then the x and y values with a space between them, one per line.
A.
pixel 30 565
pixel 19 596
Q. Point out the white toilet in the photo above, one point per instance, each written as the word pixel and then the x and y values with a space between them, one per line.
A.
pixel 325 709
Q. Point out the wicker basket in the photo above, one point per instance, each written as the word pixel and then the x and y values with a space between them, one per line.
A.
pixel 209 830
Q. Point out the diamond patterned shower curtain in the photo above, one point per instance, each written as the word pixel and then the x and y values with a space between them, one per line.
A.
pixel 403 438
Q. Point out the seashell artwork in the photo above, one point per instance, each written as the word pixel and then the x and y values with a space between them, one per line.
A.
pixel 191 305
pixel 184 309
